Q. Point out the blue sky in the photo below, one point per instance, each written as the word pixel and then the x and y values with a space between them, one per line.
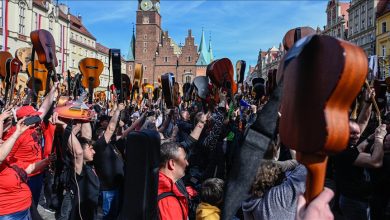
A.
pixel 239 29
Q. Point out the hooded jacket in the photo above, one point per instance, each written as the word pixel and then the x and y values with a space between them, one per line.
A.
pixel 280 202
pixel 206 211
pixel 171 207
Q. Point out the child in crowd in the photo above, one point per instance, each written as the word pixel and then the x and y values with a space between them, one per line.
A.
pixel 211 196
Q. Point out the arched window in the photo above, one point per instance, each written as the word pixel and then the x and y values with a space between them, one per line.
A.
pixel 22 17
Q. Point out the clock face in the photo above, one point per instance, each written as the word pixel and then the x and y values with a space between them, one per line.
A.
pixel 157 7
pixel 146 5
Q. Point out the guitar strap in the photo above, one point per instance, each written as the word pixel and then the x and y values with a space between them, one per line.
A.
pixel 256 142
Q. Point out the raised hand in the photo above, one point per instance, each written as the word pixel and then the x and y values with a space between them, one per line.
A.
pixel 21 127
pixel 317 209
pixel 5 115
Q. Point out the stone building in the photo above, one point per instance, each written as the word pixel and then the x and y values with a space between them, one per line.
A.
pixel 337 19
pixel 361 28
pixel 151 46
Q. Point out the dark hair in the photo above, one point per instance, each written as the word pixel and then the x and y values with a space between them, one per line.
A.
pixel 104 118
pixel 212 191
pixel 84 142
pixel 168 151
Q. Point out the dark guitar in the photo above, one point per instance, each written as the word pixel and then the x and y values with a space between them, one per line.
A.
pixel 322 77
pixel 44 46
pixel 168 83
pixel 240 70
pixel 91 69
pixel 13 68
pixel 221 74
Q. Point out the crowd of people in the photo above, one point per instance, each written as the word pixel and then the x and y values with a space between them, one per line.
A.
pixel 76 169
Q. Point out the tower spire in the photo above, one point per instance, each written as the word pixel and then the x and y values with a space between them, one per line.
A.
pixel 211 55
pixel 130 54
pixel 204 56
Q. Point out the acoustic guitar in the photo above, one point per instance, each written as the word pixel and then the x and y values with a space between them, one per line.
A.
pixel 13 67
pixel 4 56
pixel 168 83
pixel 240 71
pixel 21 81
pixel 322 77
pixel 138 75
pixel 44 46
pixel 221 74
pixel 126 86
pixel 295 34
pixel 24 56
pixel 91 69
pixel 39 76
pixel 75 110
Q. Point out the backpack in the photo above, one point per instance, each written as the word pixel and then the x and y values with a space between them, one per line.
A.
pixel 192 202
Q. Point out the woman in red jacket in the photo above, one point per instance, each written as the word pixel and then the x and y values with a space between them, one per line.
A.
pixel 15 195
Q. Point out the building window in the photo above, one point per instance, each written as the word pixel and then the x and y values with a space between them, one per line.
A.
pixel 145 80
pixel 1 15
pixel 73 63
pixel 22 17
pixel 165 59
pixel 145 44
pixel 145 50
pixel 383 50
pixel 363 26
pixel 188 79
pixel 189 59
pixel 145 67
pixel 369 21
pixel 383 27
pixel 59 66
pixel 86 53
pixel 130 67
pixel 51 24
pixel 145 20
pixel 36 21
pixel 145 36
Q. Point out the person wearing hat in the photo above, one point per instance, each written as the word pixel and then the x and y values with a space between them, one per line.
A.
pixel 28 148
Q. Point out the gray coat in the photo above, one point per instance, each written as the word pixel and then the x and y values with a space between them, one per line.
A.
pixel 280 202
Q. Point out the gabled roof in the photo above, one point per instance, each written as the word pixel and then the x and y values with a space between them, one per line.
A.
pixel 77 25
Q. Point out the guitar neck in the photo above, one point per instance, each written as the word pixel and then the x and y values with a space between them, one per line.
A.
pixel 90 90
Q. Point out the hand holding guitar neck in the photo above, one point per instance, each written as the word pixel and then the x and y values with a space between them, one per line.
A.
pixel 371 95
pixel 317 94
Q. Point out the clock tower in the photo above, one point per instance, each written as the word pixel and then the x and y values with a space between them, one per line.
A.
pixel 148 36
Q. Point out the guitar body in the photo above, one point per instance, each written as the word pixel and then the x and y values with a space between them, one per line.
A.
pixel 168 82
pixel 75 110
pixel 295 34
pixel 4 56
pixel 322 77
pixel 24 56
pixel 22 81
pixel 40 76
pixel 221 74
pixel 126 86
pixel 240 71
pixel 45 47
pixel 91 68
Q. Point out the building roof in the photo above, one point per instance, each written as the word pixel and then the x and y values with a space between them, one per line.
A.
pixel 204 56
pixel 131 52
pixel 211 51
pixel 77 25
pixel 102 49
pixel 382 7
pixel 63 15
pixel 41 3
